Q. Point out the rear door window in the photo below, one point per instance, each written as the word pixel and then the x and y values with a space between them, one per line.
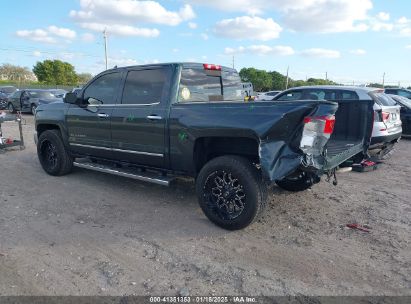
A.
pixel 144 86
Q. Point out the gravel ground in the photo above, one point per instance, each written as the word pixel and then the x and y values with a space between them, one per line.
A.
pixel 90 233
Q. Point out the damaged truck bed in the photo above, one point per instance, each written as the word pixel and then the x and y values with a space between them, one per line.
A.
pixel 159 121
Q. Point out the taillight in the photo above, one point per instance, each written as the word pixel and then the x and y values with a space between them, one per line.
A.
pixel 316 133
pixel 385 116
pixel 212 67
pixel 324 124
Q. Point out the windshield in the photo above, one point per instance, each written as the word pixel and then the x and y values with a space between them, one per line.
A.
pixel 41 94
pixel 8 90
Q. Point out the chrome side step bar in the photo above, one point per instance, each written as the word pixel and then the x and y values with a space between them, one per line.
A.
pixel 133 173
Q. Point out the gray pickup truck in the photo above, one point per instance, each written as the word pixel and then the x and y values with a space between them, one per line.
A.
pixel 157 122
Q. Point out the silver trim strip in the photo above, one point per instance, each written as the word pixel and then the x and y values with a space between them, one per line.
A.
pixel 158 181
pixel 118 150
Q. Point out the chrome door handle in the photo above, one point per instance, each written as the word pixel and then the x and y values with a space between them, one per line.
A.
pixel 103 115
pixel 154 117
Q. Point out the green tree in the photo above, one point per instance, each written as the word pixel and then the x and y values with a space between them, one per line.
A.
pixel 84 77
pixel 55 72
pixel 375 85
pixel 260 79
pixel 278 80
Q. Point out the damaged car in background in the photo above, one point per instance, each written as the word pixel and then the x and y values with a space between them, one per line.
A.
pixel 157 122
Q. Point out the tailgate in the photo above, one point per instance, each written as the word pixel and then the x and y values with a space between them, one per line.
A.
pixel 352 131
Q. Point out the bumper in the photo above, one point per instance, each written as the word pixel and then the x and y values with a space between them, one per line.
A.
pixel 382 141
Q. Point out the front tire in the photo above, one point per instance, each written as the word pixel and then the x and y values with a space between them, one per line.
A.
pixel 52 154
pixel 11 109
pixel 33 109
pixel 231 192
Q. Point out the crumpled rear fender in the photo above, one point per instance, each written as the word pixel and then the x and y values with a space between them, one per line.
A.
pixel 280 158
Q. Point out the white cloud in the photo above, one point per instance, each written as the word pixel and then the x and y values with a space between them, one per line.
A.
pixel 88 37
pixel 121 16
pixel 383 16
pixel 261 50
pixel 192 25
pixel 37 54
pixel 37 35
pixel 408 47
pixel 329 16
pixel 245 27
pixel 204 36
pixel 115 61
pixel 403 20
pixel 324 16
pixel 321 53
pixel 121 30
pixel 403 25
pixel 48 35
pixel 62 32
pixel 175 50
pixel 358 52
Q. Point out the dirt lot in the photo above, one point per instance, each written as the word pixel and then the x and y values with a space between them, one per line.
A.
pixel 94 234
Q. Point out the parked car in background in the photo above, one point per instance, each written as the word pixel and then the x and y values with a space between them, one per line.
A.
pixel 387 123
pixel 59 93
pixel 397 91
pixel 8 90
pixel 5 92
pixel 266 95
pixel 405 105
pixel 28 100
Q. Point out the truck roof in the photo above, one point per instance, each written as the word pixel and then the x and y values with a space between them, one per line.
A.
pixel 184 64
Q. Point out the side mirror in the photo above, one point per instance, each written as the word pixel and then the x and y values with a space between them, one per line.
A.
pixel 71 98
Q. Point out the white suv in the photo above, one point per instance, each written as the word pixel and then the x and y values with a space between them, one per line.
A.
pixel 387 122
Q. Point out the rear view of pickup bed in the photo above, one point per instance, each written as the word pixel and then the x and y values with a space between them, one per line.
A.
pixel 157 122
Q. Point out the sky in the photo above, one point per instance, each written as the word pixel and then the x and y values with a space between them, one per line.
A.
pixel 350 41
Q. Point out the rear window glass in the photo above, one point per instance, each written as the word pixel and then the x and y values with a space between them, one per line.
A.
pixel 196 85
pixel 383 99
pixel 296 95
pixel 232 86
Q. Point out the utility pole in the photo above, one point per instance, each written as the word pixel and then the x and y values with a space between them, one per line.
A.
pixel 105 46
pixel 286 84
pixel 233 62
pixel 326 76
pixel 383 80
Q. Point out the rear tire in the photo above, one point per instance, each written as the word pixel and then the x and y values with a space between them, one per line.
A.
pixel 299 181
pixel 231 192
pixel 52 154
